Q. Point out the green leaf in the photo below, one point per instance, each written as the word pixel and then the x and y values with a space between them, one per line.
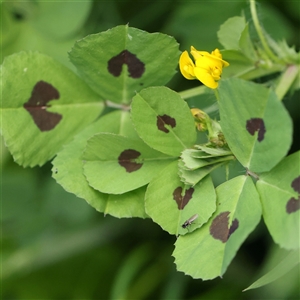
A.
pixel 170 203
pixel 192 177
pixel 116 164
pixel 9 27
pixel 279 191
pixel 240 65
pixel 218 152
pixel 127 205
pixel 62 24
pixel 196 22
pixel 213 151
pixel 192 162
pixel 287 264
pixel 282 49
pixel 207 252
pixel 68 170
pixel 230 32
pixel 197 153
pixel 234 35
pixel 39 27
pixel 47 100
pixel 243 67
pixel 254 126
pixel 118 62
pixel 163 120
pixel 246 45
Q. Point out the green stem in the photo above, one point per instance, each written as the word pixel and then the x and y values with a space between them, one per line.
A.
pixel 212 108
pixel 199 90
pixel 259 31
pixel 286 80
pixel 209 128
pixel 116 105
pixel 217 95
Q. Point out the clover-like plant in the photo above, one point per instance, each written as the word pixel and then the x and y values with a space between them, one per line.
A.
pixel 153 156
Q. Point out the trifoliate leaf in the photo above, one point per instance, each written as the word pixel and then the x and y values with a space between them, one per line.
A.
pixel 163 120
pixel 120 61
pixel 279 191
pixel 68 170
pixel 249 125
pixel 230 32
pixel 291 260
pixel 116 164
pixel 43 106
pixel 207 252
pixel 170 203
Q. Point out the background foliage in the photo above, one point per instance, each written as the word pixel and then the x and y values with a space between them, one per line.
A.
pixel 54 245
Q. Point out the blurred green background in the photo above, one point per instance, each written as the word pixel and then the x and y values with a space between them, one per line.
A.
pixel 54 245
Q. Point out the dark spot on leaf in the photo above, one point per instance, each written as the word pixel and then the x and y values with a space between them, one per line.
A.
pixel 219 227
pixel 293 205
pixel 296 184
pixel 136 68
pixel 18 16
pixel 41 94
pixel 165 120
pixel 182 201
pixel 127 160
pixel 234 226
pixel 256 124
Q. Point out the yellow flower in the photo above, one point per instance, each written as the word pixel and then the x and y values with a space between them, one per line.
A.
pixel 207 67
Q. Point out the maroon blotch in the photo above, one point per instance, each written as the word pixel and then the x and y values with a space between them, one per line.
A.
pixel 182 201
pixel 293 205
pixel 41 94
pixel 136 67
pixel 256 124
pixel 296 184
pixel 234 226
pixel 127 160
pixel 165 120
pixel 219 227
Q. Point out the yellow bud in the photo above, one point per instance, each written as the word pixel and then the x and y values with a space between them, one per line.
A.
pixel 201 119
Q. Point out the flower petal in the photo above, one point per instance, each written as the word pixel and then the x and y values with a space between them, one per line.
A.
pixel 205 77
pixel 197 54
pixel 209 63
pixel 207 67
pixel 186 66
pixel 217 56
pixel 216 53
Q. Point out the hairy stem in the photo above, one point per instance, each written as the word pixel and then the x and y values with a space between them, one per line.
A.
pixel 260 33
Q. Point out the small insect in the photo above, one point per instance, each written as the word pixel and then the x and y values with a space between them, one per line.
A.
pixel 189 221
